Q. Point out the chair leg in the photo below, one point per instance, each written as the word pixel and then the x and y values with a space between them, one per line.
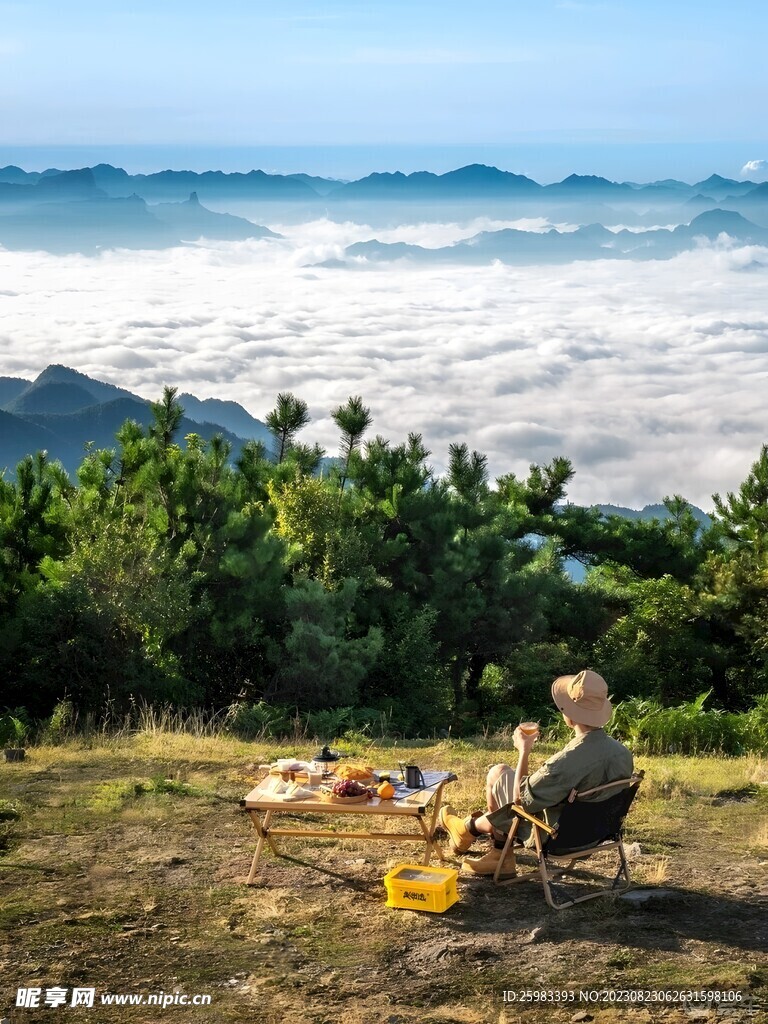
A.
pixel 507 846
pixel 544 872
pixel 611 890
pixel 623 868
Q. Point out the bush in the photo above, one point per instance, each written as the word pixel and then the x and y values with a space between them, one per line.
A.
pixel 61 722
pixel 328 724
pixel 14 728
pixel 258 721
pixel 650 728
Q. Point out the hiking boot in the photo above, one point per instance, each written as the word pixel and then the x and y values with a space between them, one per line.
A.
pixel 460 837
pixel 487 865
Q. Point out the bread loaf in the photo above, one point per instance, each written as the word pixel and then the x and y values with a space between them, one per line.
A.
pixel 354 772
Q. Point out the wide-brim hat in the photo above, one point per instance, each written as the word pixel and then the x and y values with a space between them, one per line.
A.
pixel 583 698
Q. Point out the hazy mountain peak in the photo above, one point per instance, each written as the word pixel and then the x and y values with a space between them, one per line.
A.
pixel 586 179
pixel 100 391
pixel 62 409
pixel 715 180
pixel 724 220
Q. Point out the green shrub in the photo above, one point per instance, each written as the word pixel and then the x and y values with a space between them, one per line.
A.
pixel 9 811
pixel 258 721
pixel 61 722
pixel 650 728
pixel 328 724
pixel 14 728
pixel 755 726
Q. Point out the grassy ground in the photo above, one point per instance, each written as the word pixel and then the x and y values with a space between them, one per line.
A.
pixel 123 867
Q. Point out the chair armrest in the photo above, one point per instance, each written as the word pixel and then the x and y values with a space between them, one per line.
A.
pixel 535 821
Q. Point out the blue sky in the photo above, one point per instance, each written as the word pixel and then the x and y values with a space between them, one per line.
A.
pixel 246 78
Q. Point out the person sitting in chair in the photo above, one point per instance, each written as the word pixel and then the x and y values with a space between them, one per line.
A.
pixel 591 759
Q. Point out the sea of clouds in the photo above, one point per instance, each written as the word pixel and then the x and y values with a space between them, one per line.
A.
pixel 649 376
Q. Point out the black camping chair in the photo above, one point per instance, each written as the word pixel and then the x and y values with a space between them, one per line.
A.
pixel 585 827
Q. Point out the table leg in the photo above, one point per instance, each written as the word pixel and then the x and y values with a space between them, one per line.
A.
pixel 435 820
pixel 429 845
pixel 263 834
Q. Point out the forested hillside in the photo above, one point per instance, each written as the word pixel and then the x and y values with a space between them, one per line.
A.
pixel 170 573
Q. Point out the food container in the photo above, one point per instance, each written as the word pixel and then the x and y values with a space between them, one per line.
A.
pixel 330 798
pixel 416 887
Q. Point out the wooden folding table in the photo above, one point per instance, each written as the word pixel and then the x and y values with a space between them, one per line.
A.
pixel 260 801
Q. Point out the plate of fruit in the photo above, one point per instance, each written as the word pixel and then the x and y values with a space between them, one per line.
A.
pixel 347 791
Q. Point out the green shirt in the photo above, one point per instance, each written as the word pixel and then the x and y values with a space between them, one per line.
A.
pixel 592 759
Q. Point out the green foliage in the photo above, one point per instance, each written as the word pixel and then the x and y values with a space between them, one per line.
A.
pixel 159 785
pixel 352 419
pixel 9 811
pixel 735 579
pixel 408 686
pixel 519 688
pixel 328 724
pixel 376 599
pixel 658 649
pixel 323 661
pixel 61 722
pixel 14 728
pixel 650 728
pixel 289 416
pixel 110 797
pixel 258 721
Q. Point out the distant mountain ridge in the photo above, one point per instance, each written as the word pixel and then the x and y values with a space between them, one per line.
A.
pixel 174 185
pixel 590 242
pixel 656 511
pixel 100 207
pixel 62 409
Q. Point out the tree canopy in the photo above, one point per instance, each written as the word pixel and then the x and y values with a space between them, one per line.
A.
pixel 167 571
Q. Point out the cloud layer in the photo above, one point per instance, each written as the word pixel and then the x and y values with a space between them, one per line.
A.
pixel 649 376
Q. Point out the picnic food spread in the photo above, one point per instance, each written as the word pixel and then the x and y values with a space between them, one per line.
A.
pixel 295 781
pixel 353 772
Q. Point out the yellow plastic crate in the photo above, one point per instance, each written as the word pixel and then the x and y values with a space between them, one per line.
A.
pixel 415 887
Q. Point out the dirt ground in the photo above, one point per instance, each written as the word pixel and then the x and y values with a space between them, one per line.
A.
pixel 123 869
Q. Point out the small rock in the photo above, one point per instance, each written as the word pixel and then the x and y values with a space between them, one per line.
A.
pixel 580 1016
pixel 638 896
pixel 633 850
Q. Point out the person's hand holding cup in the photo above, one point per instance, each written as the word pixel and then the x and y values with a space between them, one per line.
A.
pixel 525 735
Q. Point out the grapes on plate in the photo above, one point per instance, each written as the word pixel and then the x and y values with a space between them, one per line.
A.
pixel 348 787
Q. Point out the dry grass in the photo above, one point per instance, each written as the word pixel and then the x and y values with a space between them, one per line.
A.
pixel 126 862
pixel 652 872
pixel 759 841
